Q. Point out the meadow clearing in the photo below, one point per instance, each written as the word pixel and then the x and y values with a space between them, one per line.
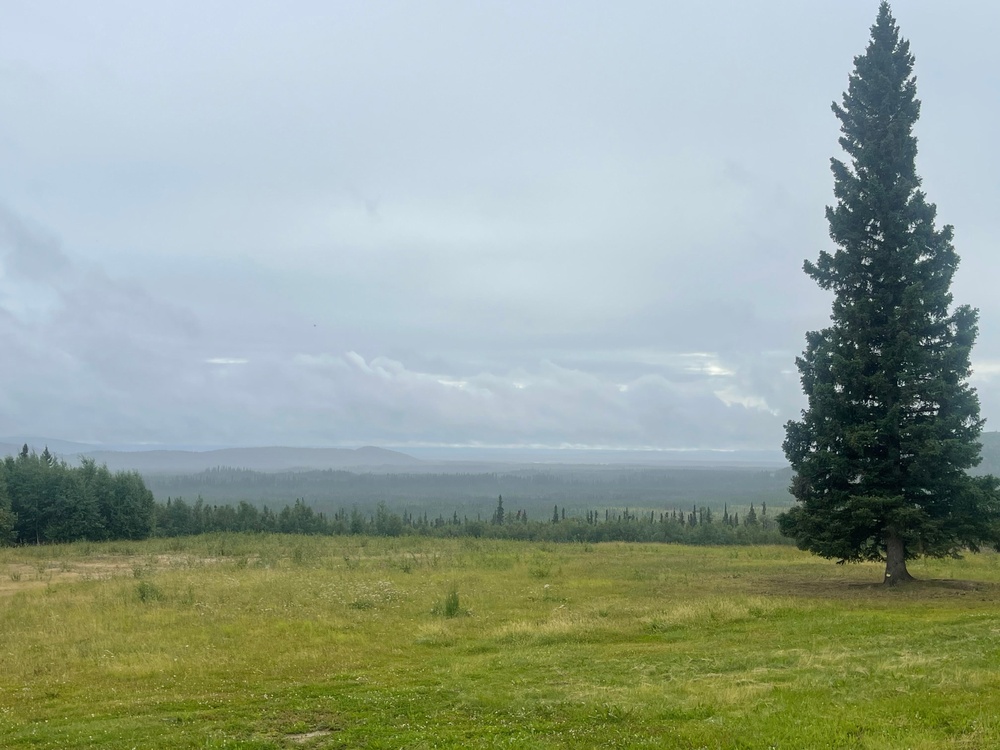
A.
pixel 268 641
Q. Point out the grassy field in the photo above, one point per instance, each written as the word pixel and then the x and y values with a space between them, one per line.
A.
pixel 284 642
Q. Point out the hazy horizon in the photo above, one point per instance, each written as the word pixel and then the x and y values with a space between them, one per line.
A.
pixel 432 453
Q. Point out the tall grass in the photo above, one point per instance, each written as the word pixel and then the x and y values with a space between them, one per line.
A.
pixel 275 642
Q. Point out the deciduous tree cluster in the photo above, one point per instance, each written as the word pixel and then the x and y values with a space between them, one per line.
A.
pixel 42 499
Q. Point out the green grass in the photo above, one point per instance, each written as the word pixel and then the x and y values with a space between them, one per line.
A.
pixel 283 642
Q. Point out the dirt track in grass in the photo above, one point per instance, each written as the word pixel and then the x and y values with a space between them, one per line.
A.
pixel 21 576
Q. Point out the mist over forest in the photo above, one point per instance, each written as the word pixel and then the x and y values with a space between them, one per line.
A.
pixel 338 479
pixel 334 479
pixel 576 488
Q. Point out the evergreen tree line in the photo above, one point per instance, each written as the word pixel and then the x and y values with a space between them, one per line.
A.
pixel 535 489
pixel 699 525
pixel 42 500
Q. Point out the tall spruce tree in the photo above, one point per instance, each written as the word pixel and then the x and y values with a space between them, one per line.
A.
pixel 881 453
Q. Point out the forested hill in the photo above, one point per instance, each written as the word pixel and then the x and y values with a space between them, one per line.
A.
pixel 361 459
pixel 536 490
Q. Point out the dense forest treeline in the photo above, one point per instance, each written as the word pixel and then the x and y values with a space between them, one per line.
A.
pixel 42 499
pixel 699 525
pixel 534 489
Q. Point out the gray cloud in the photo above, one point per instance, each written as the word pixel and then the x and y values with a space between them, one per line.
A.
pixel 447 223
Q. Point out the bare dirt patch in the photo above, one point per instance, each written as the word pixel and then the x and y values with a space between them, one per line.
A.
pixel 304 737
pixel 16 577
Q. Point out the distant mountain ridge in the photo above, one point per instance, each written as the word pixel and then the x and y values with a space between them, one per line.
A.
pixel 368 457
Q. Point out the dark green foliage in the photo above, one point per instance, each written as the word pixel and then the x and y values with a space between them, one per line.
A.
pixel 295 519
pixel 25 486
pixel 881 453
pixel 386 523
pixel 178 518
pixel 8 519
pixel 48 501
pixel 72 506
pixel 128 509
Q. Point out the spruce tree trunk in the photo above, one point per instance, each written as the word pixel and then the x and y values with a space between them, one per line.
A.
pixel 895 561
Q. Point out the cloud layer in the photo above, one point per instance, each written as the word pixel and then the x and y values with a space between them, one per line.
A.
pixel 510 224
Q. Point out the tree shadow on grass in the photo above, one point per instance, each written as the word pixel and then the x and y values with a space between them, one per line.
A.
pixel 839 588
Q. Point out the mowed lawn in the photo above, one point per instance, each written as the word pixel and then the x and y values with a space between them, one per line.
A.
pixel 284 642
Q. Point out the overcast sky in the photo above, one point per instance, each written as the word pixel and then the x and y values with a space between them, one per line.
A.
pixel 448 223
